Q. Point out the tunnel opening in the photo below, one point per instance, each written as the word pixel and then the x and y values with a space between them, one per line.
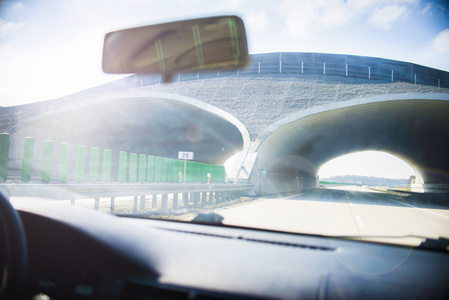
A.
pixel 408 126
pixel 372 168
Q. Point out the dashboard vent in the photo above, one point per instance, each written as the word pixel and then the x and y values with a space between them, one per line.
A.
pixel 242 238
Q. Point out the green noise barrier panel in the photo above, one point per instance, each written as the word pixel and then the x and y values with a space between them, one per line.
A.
pixel 150 168
pixel 194 173
pixel 27 159
pixel 133 167
pixel 164 169
pixel 222 174
pixel 198 172
pixel 80 163
pixel 203 174
pixel 217 174
pixel 142 167
pixel 209 170
pixel 4 153
pixel 214 173
pixel 206 170
pixel 189 171
pixel 180 170
pixel 171 170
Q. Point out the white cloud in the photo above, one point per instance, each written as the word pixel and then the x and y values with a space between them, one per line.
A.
pixel 367 5
pixel 427 8
pixel 234 4
pixel 8 27
pixel 256 21
pixel 385 16
pixel 441 43
pixel 17 7
pixel 436 53
pixel 305 17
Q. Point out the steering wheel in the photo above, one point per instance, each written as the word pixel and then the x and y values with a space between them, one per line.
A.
pixel 13 251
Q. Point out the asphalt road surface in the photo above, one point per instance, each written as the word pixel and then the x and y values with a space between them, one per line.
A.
pixel 353 211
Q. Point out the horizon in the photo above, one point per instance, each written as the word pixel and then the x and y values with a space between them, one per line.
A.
pixel 362 176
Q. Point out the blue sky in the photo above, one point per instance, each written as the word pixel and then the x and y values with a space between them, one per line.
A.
pixel 52 48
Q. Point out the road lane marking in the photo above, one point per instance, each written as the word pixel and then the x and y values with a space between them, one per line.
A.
pixel 425 210
pixel 355 219
pixel 359 220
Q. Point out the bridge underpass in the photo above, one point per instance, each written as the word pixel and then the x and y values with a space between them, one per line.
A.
pixel 412 127
pixel 270 113
pixel 160 125
pixel 285 157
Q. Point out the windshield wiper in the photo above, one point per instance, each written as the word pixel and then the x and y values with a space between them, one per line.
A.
pixel 441 244
pixel 208 219
pixel 435 244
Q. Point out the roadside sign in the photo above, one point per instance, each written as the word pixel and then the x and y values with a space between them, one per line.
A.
pixel 185 155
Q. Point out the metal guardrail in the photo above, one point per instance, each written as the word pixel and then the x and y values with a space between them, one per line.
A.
pixel 191 195
pixel 399 193
pixel 419 198
pixel 302 63
pixel 430 198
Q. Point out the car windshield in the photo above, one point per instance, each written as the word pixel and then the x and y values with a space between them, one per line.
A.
pixel 337 126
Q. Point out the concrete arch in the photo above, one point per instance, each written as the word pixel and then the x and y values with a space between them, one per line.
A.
pixel 412 127
pixel 134 121
pixel 84 101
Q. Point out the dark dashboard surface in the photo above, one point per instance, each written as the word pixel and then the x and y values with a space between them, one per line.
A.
pixel 83 254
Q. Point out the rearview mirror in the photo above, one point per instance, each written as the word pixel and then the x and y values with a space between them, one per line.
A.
pixel 200 44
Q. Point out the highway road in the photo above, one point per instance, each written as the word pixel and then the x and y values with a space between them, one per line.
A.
pixel 348 211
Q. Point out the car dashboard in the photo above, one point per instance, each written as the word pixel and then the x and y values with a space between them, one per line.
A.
pixel 77 253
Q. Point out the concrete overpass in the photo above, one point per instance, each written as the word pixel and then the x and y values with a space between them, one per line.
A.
pixel 412 127
pixel 281 119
